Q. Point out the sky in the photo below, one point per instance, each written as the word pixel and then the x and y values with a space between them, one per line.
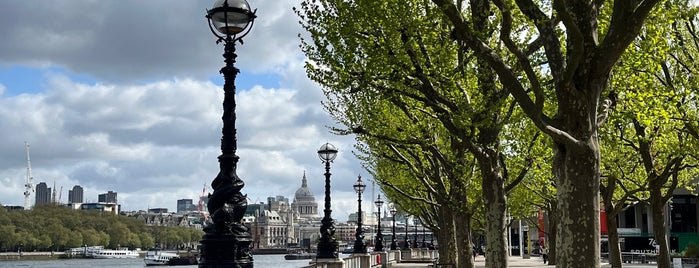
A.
pixel 126 96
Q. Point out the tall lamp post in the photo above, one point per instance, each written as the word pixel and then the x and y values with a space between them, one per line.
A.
pixel 379 236
pixel 327 246
pixel 406 244
pixel 415 221
pixel 424 234
pixel 394 244
pixel 359 246
pixel 226 242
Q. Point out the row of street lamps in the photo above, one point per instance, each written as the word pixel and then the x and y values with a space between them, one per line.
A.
pixel 359 245
pixel 227 240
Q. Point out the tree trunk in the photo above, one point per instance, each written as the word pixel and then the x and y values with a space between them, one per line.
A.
pixel 447 236
pixel 659 231
pixel 614 246
pixel 576 167
pixel 495 211
pixel 553 226
pixel 463 240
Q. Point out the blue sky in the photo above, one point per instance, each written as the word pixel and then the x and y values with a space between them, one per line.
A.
pixel 113 99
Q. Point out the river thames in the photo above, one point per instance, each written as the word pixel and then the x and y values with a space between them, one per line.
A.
pixel 261 261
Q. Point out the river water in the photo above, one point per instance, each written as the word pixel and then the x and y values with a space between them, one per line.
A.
pixel 261 261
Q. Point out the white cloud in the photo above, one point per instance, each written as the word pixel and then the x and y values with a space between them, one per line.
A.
pixel 149 125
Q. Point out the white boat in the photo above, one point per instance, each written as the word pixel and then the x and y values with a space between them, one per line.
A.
pixel 122 253
pixel 158 257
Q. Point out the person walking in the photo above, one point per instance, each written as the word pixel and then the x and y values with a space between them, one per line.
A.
pixel 544 254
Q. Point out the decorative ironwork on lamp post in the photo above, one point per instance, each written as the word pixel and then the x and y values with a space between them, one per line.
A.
pixel 379 235
pixel 359 245
pixel 327 246
pixel 226 242
pixel 392 209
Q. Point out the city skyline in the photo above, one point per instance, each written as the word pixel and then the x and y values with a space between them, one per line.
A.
pixel 114 100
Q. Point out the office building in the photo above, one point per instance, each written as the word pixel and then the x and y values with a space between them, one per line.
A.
pixel 76 195
pixel 108 197
pixel 43 194
pixel 184 206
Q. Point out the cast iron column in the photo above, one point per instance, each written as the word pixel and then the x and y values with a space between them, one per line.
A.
pixel 359 245
pixel 226 242
pixel 327 246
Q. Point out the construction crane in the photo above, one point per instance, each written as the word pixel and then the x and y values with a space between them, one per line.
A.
pixel 201 200
pixel 29 185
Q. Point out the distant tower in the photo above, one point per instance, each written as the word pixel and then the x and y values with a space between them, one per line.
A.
pixel 108 197
pixel 75 196
pixel 43 194
pixel 184 205
pixel 28 185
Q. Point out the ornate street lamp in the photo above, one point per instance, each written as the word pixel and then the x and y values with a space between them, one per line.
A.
pixel 359 246
pixel 415 221
pixel 424 245
pixel 394 244
pixel 379 236
pixel 227 241
pixel 327 246
pixel 406 245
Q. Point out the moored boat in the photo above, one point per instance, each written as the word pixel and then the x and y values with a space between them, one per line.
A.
pixel 299 255
pixel 122 253
pixel 158 257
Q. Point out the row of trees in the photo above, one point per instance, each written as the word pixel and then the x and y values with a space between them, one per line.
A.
pixel 468 112
pixel 56 228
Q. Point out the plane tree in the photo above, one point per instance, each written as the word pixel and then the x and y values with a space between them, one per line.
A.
pixel 581 45
pixel 652 151
pixel 402 52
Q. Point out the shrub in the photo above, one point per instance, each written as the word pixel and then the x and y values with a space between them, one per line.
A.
pixel 691 251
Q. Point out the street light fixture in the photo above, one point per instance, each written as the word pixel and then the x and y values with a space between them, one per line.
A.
pixel 226 242
pixel 379 236
pixel 415 221
pixel 359 245
pixel 424 234
pixel 394 244
pixel 406 245
pixel 327 246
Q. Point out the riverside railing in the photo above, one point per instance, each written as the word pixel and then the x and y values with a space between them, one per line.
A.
pixel 378 259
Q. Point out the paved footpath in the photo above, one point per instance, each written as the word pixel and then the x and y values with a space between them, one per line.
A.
pixel 534 262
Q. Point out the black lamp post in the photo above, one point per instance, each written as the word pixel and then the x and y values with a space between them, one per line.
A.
pixel 415 221
pixel 327 246
pixel 227 241
pixel 424 245
pixel 406 244
pixel 394 244
pixel 379 236
pixel 359 246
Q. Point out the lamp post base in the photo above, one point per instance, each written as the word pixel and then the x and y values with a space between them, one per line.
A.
pixel 327 249
pixel 331 262
pixel 225 250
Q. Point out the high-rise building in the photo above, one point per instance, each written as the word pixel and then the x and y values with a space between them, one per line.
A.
pixel 185 205
pixel 76 195
pixel 108 197
pixel 43 194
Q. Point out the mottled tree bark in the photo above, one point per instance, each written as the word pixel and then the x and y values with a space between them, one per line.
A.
pixel 463 240
pixel 495 212
pixel 553 226
pixel 659 232
pixel 614 246
pixel 447 236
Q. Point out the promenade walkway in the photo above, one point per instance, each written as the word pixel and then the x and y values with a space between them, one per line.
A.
pixel 519 262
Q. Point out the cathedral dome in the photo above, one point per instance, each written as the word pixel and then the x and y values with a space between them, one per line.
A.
pixel 304 193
